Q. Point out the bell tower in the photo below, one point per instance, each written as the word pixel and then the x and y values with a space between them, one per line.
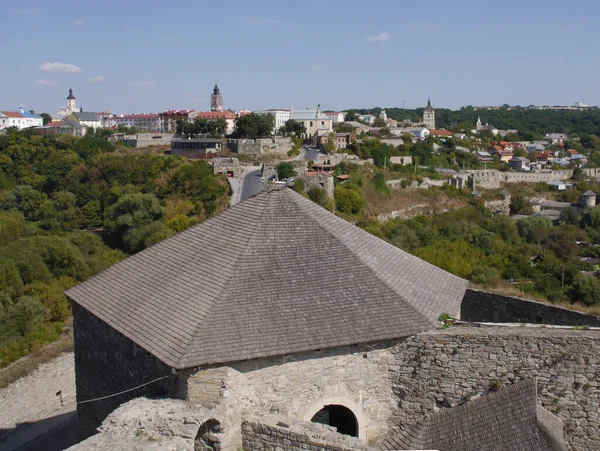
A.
pixel 216 100
pixel 429 116
pixel 71 102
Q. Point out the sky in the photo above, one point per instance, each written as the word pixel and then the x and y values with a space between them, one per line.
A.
pixel 147 56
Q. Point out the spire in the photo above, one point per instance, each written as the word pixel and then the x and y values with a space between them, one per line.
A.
pixel 216 90
pixel 429 102
pixel 71 96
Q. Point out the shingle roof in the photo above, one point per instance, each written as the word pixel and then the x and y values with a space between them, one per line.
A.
pixel 589 192
pixel 86 116
pixel 506 420
pixel 274 275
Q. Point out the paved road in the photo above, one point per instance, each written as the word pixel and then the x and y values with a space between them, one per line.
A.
pixel 311 153
pixel 251 184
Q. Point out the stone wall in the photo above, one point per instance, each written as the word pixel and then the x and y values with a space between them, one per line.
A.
pixel 263 436
pixel 448 367
pixel 414 184
pixel 298 386
pixel 106 362
pixel 151 139
pixel 260 146
pixel 482 306
pixel 320 181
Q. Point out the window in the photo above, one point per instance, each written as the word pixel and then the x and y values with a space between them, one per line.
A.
pixel 311 123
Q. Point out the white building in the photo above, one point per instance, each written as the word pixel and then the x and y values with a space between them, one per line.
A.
pixel 87 120
pixel 335 116
pixel 316 122
pixel 146 122
pixel 70 108
pixel 12 119
pixel 31 119
pixel 281 117
pixel 367 118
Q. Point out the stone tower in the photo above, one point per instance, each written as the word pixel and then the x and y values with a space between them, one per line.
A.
pixel 429 116
pixel 588 199
pixel 216 100
pixel 478 123
pixel 71 102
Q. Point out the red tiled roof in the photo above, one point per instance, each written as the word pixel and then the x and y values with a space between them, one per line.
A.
pixel 332 113
pixel 343 177
pixel 440 132
pixel 12 114
pixel 175 112
pixel 53 124
pixel 572 151
pixel 216 115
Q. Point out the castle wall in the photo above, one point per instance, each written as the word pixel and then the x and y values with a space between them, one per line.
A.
pixel 107 362
pixel 259 436
pixel 298 386
pixel 448 367
pixel 482 306
pixel 260 146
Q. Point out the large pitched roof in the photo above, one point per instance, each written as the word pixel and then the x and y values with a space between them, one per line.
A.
pixel 86 116
pixel 273 275
pixel 506 420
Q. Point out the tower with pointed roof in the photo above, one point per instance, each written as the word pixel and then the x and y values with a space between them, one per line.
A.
pixel 71 108
pixel 478 124
pixel 429 116
pixel 216 100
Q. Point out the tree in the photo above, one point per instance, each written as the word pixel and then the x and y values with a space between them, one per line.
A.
pixel 319 197
pixel 351 116
pixel 254 126
pixel 46 118
pixel 285 170
pixel 348 200
pixel 292 128
pixel 379 122
pixel 520 205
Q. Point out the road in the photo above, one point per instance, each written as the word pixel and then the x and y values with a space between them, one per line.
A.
pixel 251 184
pixel 310 153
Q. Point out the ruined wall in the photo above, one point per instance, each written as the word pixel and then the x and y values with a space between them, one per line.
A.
pixel 493 179
pixel 320 181
pixel 448 367
pixel 262 436
pixel 298 386
pixel 260 146
pixel 106 362
pixel 482 306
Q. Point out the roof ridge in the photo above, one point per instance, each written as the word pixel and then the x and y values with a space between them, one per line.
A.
pixel 232 274
pixel 371 270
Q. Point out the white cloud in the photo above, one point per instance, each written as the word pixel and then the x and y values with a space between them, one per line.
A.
pixel 316 67
pixel 78 22
pixel 98 79
pixel 143 84
pixel 47 83
pixel 378 38
pixel 60 68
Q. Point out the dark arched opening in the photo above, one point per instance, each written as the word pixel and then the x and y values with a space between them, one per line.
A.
pixel 339 417
pixel 207 438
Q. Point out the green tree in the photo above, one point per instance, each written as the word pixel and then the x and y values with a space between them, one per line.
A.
pixel 351 116
pixel 254 126
pixel 520 205
pixel 285 170
pixel 348 200
pixel 46 118
pixel 292 128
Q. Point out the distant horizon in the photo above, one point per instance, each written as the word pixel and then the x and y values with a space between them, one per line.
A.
pixel 265 54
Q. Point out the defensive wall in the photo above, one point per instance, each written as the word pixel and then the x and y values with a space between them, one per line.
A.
pixel 260 146
pixel 444 368
pixel 481 306
pixel 492 178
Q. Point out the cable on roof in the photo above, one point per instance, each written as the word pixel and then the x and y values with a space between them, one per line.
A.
pixel 124 391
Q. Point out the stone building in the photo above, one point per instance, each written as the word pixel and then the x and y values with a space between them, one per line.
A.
pixel 588 199
pixel 429 116
pixel 212 312
pixel 275 324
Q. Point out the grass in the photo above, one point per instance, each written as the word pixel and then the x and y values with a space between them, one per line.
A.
pixel 26 365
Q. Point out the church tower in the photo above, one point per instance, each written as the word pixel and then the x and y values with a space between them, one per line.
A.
pixel 71 102
pixel 478 124
pixel 429 116
pixel 216 100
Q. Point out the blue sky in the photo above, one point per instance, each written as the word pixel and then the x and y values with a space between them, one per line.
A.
pixel 143 56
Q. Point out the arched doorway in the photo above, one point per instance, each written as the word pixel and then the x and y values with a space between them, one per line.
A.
pixel 208 436
pixel 338 416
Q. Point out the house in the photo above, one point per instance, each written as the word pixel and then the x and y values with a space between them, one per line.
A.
pixel 440 133
pixel 504 144
pixel 12 119
pixel 505 155
pixel 419 133
pixel 169 118
pixel 107 119
pixel 544 156
pixel 31 119
pixel 358 127
pixel 534 146
pixel 227 116
pixel 341 140
pixel 70 126
pixel 368 118
pixel 87 120
pixel 519 164
pixel 557 185
pixel 485 156
pixel 556 138
pixel 143 122
pixel 578 159
pixel 280 116
pixel 336 117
